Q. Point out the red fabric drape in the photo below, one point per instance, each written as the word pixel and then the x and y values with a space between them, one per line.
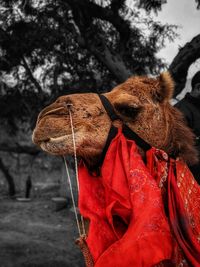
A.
pixel 179 219
pixel 128 225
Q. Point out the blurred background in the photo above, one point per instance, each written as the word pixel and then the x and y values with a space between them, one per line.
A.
pixel 55 47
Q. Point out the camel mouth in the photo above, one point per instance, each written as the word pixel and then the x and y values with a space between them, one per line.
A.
pixel 56 145
pixel 58 139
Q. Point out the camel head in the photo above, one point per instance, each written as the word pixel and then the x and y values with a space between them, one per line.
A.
pixel 141 102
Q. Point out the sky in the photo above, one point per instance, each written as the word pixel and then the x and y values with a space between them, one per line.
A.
pixel 185 14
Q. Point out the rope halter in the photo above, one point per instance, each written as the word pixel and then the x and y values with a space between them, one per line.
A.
pixel 80 225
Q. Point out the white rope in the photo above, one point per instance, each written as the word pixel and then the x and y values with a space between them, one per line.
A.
pixel 74 147
pixel 72 196
pixel 76 174
pixel 76 165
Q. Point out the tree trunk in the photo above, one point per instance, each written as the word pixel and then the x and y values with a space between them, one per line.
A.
pixel 112 61
pixel 83 14
pixel 9 178
pixel 181 63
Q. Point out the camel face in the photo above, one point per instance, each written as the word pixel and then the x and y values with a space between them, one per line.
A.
pixel 91 124
pixel 142 103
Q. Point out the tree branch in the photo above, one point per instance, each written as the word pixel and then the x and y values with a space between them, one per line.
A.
pixel 9 178
pixel 83 13
pixel 181 63
pixel 115 5
pixel 93 10
pixel 198 4
pixel 30 74
pixel 112 61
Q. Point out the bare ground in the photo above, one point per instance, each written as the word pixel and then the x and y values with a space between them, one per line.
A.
pixel 33 235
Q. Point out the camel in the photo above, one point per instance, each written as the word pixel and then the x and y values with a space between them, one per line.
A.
pixel 141 103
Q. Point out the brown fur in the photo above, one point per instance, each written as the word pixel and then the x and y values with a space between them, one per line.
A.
pixel 141 102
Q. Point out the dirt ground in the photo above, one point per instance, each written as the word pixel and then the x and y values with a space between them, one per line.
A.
pixel 32 234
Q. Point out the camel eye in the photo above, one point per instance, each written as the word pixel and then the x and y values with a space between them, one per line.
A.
pixel 128 111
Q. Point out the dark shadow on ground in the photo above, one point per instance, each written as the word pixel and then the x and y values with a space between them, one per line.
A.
pixel 33 235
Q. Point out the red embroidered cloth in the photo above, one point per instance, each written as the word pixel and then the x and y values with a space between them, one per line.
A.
pixel 128 222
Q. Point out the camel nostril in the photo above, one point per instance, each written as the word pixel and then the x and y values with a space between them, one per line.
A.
pixel 68 105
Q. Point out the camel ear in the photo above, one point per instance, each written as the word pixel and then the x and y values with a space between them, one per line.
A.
pixel 166 88
pixel 128 106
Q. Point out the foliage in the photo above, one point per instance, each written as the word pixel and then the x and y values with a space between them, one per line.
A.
pixel 55 46
pixel 198 3
pixel 156 5
pixel 25 103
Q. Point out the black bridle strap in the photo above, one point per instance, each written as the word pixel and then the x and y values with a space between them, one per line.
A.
pixel 130 134
pixel 109 108
pixel 111 135
pixel 125 129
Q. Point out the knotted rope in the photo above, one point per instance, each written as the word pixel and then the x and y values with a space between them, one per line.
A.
pixel 81 241
pixel 80 226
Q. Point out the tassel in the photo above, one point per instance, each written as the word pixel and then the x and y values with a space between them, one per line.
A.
pixel 81 242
